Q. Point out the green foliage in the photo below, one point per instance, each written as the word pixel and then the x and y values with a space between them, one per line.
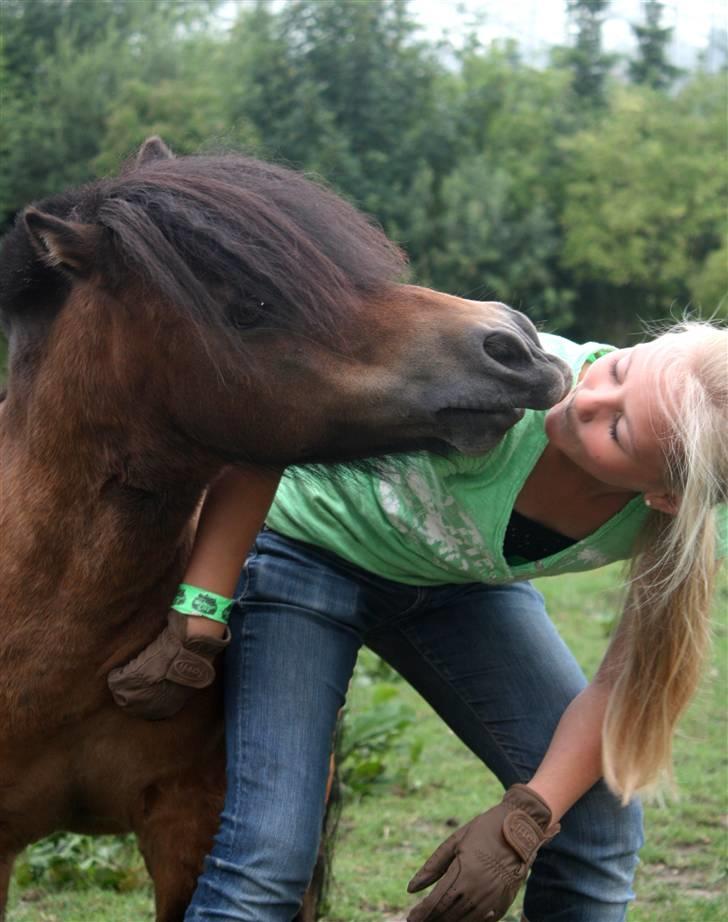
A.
pixel 497 247
pixel 341 89
pixel 63 67
pixel 486 223
pixel 644 203
pixel 71 861
pixel 586 202
pixel 709 284
pixel 45 154
pixel 373 750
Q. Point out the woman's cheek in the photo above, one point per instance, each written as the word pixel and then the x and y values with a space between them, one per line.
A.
pixel 595 451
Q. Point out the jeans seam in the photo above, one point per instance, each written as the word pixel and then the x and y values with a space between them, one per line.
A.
pixel 251 558
pixel 233 835
pixel 421 594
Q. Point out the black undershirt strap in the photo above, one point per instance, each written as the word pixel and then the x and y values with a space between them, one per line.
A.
pixel 526 540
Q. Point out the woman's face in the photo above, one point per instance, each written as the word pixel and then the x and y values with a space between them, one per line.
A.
pixel 610 425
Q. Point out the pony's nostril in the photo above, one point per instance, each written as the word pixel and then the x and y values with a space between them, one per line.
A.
pixel 506 348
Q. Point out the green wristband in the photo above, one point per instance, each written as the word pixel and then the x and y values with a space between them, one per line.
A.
pixel 191 600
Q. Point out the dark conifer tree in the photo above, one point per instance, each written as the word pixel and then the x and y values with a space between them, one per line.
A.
pixel 586 57
pixel 651 66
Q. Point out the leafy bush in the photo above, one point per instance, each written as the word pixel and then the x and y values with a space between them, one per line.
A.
pixel 373 749
pixel 69 860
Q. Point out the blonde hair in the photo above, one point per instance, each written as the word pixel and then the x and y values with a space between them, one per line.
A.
pixel 654 662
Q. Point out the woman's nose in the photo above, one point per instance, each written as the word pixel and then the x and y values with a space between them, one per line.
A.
pixel 590 402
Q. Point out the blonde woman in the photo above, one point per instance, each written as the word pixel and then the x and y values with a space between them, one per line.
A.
pixel 429 566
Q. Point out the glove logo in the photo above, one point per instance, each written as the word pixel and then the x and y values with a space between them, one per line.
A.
pixel 521 833
pixel 187 669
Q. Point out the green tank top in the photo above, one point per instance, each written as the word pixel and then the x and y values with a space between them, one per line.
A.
pixel 432 520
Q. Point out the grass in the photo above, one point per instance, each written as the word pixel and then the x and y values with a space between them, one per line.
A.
pixel 384 837
pixel 682 874
pixel 38 905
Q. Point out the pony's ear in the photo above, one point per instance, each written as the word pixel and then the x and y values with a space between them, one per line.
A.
pixel 62 244
pixel 153 148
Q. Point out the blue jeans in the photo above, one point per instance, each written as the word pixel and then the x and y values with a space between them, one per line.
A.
pixel 489 661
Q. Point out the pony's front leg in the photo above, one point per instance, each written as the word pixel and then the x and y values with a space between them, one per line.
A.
pixel 174 861
pixel 174 835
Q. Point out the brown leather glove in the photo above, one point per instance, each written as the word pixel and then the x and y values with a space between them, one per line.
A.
pixel 157 682
pixel 484 862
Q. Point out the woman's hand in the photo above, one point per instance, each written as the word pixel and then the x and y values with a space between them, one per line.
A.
pixel 485 862
pixel 157 682
pixel 164 675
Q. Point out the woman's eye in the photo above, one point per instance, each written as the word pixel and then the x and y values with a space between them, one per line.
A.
pixel 613 429
pixel 613 369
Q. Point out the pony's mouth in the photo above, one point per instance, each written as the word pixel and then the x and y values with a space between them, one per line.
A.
pixel 475 415
pixel 472 429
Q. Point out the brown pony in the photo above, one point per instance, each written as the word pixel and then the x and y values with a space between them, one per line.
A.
pixel 191 313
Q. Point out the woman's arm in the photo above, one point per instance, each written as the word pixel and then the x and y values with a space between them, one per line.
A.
pixel 158 681
pixel 484 863
pixel 232 514
pixel 573 761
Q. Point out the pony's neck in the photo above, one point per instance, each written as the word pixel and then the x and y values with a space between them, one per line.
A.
pixel 78 528
pixel 97 492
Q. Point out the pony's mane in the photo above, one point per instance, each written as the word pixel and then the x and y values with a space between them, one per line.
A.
pixel 234 242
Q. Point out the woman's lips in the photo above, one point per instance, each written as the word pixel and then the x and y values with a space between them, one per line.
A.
pixel 561 414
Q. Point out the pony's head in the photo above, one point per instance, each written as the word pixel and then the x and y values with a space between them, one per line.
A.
pixel 227 306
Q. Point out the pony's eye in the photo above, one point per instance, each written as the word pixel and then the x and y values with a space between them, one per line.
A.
pixel 245 312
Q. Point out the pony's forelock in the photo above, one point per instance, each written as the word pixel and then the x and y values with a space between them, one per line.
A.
pixel 233 243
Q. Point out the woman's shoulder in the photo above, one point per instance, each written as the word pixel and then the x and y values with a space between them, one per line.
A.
pixel 573 353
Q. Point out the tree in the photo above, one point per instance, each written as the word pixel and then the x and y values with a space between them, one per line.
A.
pixel 176 91
pixel 709 284
pixel 586 59
pixel 58 121
pixel 344 89
pixel 644 204
pixel 491 245
pixel 63 64
pixel 483 167
pixel 651 66
pixel 32 27
pixel 485 222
